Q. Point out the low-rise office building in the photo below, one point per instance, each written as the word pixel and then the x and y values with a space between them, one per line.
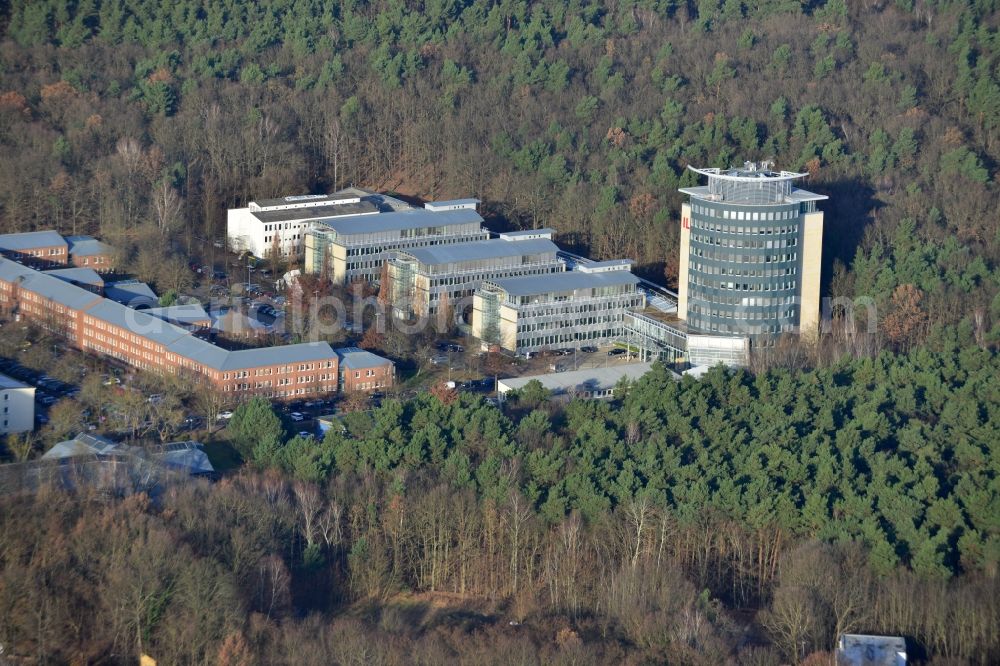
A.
pixel 423 280
pixel 581 307
pixel 279 225
pixel 597 383
pixel 17 406
pixel 349 249
pixel 42 249
pixel 88 252
pixel 43 299
pixel 362 370
pixel 147 342
pixel 50 249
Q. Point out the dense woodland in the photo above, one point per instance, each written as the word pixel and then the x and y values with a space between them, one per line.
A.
pixel 142 120
pixel 863 496
pixel 745 518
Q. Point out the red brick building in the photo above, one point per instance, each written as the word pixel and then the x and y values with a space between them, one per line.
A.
pixel 49 249
pixel 41 249
pixel 88 252
pixel 137 338
pixel 362 370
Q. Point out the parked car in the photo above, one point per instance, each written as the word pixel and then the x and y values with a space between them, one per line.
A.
pixel 225 416
pixel 439 360
pixel 617 351
pixel 588 350
pixel 305 433
pixel 297 416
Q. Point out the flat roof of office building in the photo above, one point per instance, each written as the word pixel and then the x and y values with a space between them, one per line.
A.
pixel 30 239
pixel 481 249
pixel 605 266
pixel 796 195
pixel 398 220
pixel 316 213
pixel 384 202
pixel 545 232
pixel 591 379
pixel 530 285
pixel 453 202
pixel 293 199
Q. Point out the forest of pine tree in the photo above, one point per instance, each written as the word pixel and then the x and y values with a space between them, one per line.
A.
pixel 745 518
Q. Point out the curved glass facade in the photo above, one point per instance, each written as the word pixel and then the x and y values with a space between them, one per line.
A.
pixel 744 270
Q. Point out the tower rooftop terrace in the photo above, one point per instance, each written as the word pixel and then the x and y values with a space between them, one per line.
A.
pixel 752 184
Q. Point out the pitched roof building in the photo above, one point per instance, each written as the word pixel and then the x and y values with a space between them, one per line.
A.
pixel 145 340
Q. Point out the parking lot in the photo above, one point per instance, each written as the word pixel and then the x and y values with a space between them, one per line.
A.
pixel 564 360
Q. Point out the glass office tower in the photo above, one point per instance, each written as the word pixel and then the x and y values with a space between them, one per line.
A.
pixel 750 253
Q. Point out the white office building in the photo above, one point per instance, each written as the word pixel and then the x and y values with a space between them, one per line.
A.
pixel 353 248
pixel 596 383
pixel 422 279
pixel 17 404
pixel 270 224
pixel 585 307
